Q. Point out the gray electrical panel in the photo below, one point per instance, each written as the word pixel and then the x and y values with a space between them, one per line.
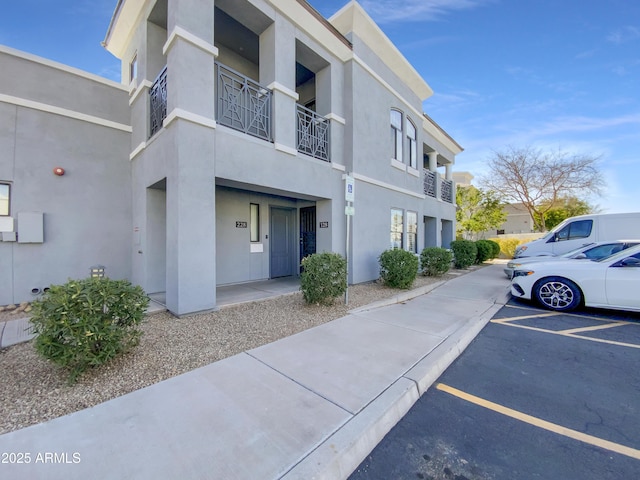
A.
pixel 30 227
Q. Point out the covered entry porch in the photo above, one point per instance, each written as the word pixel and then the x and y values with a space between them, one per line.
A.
pixel 228 295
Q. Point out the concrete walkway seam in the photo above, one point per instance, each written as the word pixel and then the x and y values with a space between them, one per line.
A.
pixel 339 455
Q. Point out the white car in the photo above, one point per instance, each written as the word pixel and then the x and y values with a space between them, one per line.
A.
pixel 562 285
pixel 590 251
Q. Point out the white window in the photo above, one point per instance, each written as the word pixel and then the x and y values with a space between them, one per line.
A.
pixel 254 221
pixel 412 232
pixel 133 68
pixel 396 135
pixel 411 137
pixel 5 189
pixel 397 228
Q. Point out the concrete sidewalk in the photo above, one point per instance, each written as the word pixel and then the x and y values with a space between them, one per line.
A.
pixel 312 405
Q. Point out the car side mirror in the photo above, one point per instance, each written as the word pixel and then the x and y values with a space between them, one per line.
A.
pixel 580 256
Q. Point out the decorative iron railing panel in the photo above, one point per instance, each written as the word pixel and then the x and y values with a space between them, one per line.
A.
pixel 158 102
pixel 447 191
pixel 242 104
pixel 429 183
pixel 313 134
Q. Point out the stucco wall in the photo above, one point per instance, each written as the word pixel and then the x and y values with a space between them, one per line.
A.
pixel 87 211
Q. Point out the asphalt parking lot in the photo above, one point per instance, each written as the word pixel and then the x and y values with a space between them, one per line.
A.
pixel 537 395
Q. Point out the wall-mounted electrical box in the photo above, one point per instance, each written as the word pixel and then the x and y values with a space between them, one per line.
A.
pixel 8 236
pixel 30 227
pixel 6 224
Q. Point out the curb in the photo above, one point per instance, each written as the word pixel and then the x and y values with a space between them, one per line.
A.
pixel 341 452
pixel 399 298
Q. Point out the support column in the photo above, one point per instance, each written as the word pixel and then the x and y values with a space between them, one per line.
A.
pixel 189 140
pixel 433 161
pixel 278 72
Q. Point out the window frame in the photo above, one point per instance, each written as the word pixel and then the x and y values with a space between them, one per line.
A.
pixel 254 222
pixel 394 230
pixel 397 135
pixel 412 151
pixel 8 210
pixel 133 67
pixel 412 234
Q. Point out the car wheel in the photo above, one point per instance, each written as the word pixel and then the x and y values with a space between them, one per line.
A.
pixel 557 293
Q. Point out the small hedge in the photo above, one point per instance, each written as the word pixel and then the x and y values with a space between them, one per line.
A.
pixel 495 248
pixel 435 261
pixel 323 278
pixel 464 253
pixel 85 323
pixel 398 268
pixel 485 251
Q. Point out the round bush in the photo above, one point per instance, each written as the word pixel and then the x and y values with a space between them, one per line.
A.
pixel 323 278
pixel 464 253
pixel 435 261
pixel 398 268
pixel 485 250
pixel 495 248
pixel 85 323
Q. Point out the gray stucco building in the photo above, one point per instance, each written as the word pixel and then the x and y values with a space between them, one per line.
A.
pixel 221 157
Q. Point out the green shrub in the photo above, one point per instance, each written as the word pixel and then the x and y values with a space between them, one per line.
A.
pixel 323 278
pixel 398 268
pixel 435 261
pixel 85 323
pixel 495 248
pixel 464 253
pixel 485 250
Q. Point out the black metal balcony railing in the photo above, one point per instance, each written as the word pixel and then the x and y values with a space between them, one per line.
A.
pixel 446 193
pixel 313 133
pixel 242 104
pixel 158 102
pixel 429 183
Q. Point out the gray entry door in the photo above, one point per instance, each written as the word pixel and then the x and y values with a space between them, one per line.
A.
pixel 282 223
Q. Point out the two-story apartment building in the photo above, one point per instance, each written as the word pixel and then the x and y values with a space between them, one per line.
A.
pixel 222 156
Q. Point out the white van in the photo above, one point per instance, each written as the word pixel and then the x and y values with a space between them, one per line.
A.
pixel 581 230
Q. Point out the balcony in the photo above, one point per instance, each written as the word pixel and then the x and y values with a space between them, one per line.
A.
pixel 313 134
pixel 430 179
pixel 158 102
pixel 446 191
pixel 242 104
pixel 430 186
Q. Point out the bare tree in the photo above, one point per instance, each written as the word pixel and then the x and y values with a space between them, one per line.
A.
pixel 538 179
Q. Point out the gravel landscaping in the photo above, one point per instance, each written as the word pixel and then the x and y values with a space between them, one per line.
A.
pixel 35 390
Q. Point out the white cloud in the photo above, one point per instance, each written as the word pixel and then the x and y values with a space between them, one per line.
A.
pixel 624 34
pixel 386 11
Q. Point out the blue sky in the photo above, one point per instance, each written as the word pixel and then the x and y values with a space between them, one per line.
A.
pixel 552 74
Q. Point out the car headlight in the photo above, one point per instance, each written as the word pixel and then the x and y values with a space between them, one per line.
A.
pixel 513 265
pixel 522 273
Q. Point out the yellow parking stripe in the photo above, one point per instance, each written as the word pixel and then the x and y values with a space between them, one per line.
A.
pixel 524 317
pixel 570 335
pixel 537 422
pixel 595 327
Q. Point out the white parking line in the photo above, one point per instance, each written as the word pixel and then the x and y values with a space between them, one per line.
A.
pixel 538 422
